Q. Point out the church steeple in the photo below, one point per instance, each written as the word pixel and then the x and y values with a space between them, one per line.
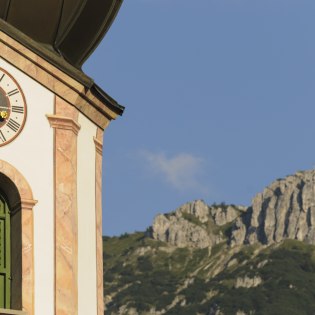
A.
pixel 52 119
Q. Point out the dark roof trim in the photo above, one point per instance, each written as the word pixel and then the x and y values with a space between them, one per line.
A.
pixel 102 95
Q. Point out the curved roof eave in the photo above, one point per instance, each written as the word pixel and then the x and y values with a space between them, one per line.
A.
pixel 89 28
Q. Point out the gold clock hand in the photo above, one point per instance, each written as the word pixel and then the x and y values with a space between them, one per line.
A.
pixel 4 115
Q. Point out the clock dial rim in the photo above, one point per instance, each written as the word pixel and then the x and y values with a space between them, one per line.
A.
pixel 2 91
pixel 17 85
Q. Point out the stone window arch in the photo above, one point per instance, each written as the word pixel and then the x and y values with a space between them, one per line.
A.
pixel 21 202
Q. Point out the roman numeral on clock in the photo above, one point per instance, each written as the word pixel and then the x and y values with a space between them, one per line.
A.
pixel 2 137
pixel 13 125
pixel 13 92
pixel 18 109
pixel 13 112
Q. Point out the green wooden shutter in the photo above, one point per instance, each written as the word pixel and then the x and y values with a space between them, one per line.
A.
pixel 5 255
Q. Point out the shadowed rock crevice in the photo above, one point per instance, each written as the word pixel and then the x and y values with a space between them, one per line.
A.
pixel 287 218
pixel 261 231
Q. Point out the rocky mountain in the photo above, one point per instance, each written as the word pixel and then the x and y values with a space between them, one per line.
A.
pixel 194 225
pixel 284 210
pixel 220 259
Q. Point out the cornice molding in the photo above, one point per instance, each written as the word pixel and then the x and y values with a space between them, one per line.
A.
pixel 28 204
pixel 56 80
pixel 64 123
pixel 24 204
pixel 98 145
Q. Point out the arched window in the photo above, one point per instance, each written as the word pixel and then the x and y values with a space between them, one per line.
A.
pixel 5 253
pixel 17 195
pixel 10 245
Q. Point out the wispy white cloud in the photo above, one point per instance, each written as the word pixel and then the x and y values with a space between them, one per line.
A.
pixel 180 171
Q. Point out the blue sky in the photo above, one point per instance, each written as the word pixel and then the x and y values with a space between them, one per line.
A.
pixel 220 101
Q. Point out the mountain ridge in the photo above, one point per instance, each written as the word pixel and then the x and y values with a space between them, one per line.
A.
pixel 217 260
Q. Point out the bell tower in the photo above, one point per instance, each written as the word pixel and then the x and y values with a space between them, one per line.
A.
pixel 52 120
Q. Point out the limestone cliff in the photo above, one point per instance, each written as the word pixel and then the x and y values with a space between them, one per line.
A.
pixel 284 210
pixel 194 224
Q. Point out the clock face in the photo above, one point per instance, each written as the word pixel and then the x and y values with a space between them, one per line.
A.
pixel 12 108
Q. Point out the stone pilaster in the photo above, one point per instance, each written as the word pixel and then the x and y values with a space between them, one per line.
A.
pixel 27 223
pixel 98 140
pixel 66 217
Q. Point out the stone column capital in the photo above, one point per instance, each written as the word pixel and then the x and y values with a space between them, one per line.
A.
pixel 64 123
pixel 98 146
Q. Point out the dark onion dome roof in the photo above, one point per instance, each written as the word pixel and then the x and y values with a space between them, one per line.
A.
pixel 65 32
pixel 73 28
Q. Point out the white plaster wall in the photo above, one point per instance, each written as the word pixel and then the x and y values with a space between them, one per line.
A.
pixel 31 153
pixel 87 282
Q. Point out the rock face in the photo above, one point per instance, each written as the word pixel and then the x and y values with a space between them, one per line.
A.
pixel 284 210
pixel 197 208
pixel 194 224
pixel 224 215
pixel 177 230
pixel 247 282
